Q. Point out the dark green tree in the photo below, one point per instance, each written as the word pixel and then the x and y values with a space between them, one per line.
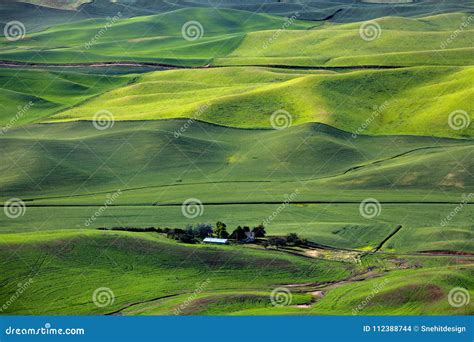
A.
pixel 259 231
pixel 203 230
pixel 221 230
pixel 294 239
pixel 276 241
pixel 238 234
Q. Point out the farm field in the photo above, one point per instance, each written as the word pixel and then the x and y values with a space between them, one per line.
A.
pixel 225 39
pixel 336 225
pixel 127 138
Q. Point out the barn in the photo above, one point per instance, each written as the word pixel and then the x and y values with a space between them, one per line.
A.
pixel 215 241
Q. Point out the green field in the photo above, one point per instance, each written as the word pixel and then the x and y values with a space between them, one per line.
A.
pixel 324 163
pixel 247 97
pixel 223 38
pixel 277 113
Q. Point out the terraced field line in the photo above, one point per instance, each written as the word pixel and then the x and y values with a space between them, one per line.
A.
pixel 164 66
pixel 242 203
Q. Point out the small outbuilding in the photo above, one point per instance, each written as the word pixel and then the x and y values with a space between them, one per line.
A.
pixel 216 241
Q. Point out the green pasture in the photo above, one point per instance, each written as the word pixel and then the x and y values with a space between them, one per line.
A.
pixel 235 37
pixel 66 269
pixel 75 163
pixel 367 102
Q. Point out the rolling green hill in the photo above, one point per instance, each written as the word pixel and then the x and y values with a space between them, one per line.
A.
pixel 78 166
pixel 66 268
pixel 147 38
pixel 420 292
pixel 395 41
pixel 395 101
pixel 76 158
pixel 30 95
pixel 224 38
pixel 83 261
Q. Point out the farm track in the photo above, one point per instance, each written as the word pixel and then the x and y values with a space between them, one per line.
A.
pixel 355 277
pixel 117 312
pixel 440 253
pixel 393 157
pixel 384 241
pixel 378 252
pixel 319 290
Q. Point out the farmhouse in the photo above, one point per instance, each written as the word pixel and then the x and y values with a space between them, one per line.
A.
pixel 215 241
pixel 249 237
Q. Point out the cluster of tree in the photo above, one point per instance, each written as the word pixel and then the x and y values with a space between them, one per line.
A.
pixel 291 239
pixel 193 234
pixel 242 233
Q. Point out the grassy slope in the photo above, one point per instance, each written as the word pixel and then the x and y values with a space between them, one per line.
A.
pixel 48 91
pixel 417 292
pixel 247 97
pixel 146 38
pixel 75 164
pixel 339 225
pixel 237 37
pixel 57 262
pixel 78 159
pixel 68 266
pixel 402 42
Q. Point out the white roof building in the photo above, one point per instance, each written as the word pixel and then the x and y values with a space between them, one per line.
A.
pixel 215 240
